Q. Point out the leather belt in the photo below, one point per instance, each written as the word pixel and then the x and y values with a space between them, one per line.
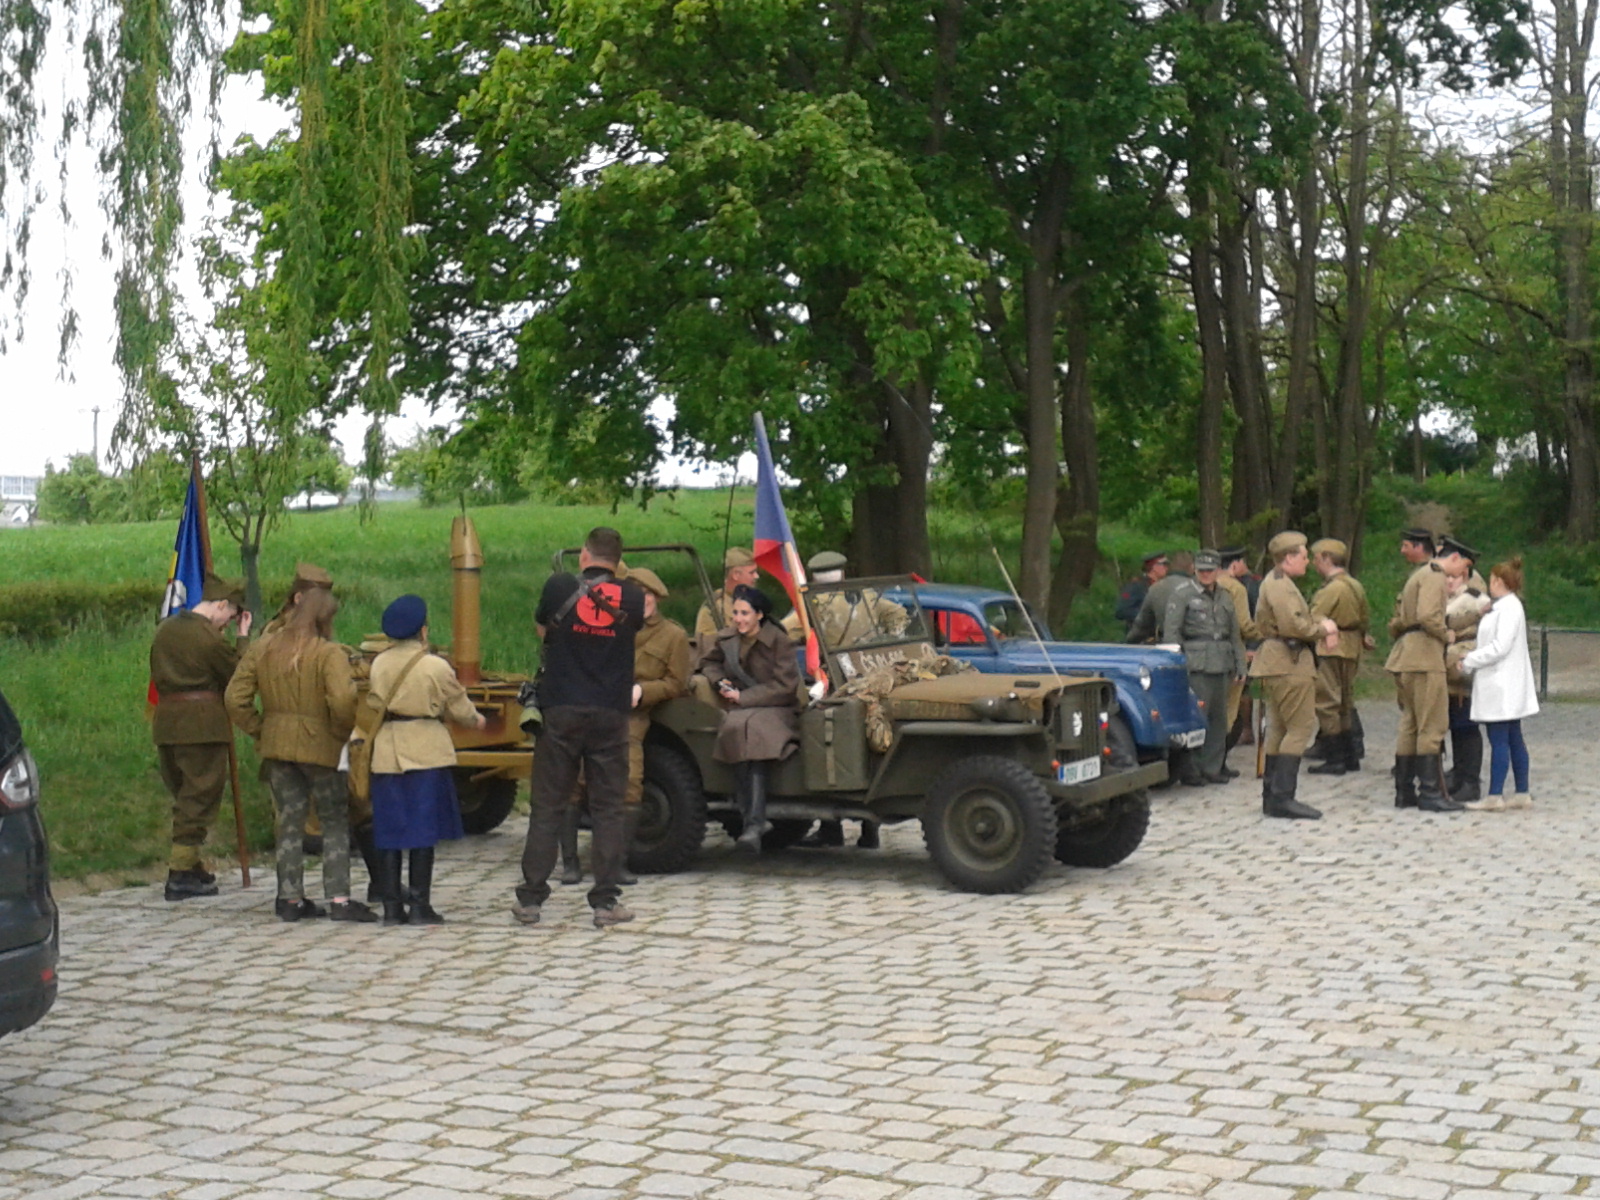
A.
pixel 163 697
pixel 398 717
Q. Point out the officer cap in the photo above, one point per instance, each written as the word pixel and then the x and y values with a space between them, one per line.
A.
pixel 1454 545
pixel 1286 542
pixel 405 617
pixel 1231 554
pixel 218 588
pixel 1417 534
pixel 1331 546
pixel 737 556
pixel 827 560
pixel 649 581
pixel 309 576
pixel 1207 560
pixel 1153 556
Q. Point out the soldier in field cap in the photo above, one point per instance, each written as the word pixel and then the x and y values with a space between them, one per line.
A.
pixel 738 570
pixel 1286 666
pixel 1417 662
pixel 1242 588
pixel 1343 601
pixel 190 666
pixel 307 577
pixel 1152 569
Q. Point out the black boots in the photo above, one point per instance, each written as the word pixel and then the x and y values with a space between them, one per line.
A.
pixel 1335 754
pixel 827 836
pixel 388 881
pixel 630 823
pixel 1405 780
pixel 571 868
pixel 1430 774
pixel 754 805
pixel 869 836
pixel 362 837
pixel 185 885
pixel 422 911
pixel 1466 773
pixel 1278 787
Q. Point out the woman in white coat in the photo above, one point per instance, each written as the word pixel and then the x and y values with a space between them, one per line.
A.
pixel 1502 686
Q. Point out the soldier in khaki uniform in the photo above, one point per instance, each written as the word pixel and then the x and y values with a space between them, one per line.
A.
pixel 1242 588
pixel 738 570
pixel 1417 663
pixel 660 673
pixel 1469 600
pixel 1201 619
pixel 1286 665
pixel 190 666
pixel 1343 601
pixel 308 577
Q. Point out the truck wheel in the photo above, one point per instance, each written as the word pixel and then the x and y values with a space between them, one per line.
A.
pixel 484 803
pixel 1106 842
pixel 990 825
pixel 672 814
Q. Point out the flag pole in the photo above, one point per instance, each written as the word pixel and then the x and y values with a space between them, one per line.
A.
pixel 233 750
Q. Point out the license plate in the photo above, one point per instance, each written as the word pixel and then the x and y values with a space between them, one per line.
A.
pixel 1195 737
pixel 1081 771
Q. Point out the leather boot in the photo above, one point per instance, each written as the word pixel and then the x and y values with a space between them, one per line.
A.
pixel 571 868
pixel 1358 737
pixel 1320 748
pixel 1466 783
pixel 869 836
pixel 755 817
pixel 1352 753
pixel 630 822
pixel 1283 778
pixel 1334 761
pixel 1405 780
pixel 1430 772
pixel 422 911
pixel 388 880
pixel 362 837
pixel 826 835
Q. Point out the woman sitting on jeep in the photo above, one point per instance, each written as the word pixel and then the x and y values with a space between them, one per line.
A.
pixel 752 667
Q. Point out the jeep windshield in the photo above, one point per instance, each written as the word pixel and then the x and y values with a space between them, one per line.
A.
pixel 858 614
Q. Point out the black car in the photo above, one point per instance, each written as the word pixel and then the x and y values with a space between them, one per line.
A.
pixel 30 928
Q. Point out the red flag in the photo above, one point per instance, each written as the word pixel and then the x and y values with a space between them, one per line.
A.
pixel 775 550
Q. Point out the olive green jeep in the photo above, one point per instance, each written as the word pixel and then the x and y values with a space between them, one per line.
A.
pixel 1004 772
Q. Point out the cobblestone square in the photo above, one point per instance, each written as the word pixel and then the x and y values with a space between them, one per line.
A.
pixel 1379 1004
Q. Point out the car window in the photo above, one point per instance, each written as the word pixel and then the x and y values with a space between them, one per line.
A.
pixel 1007 620
pixel 10 732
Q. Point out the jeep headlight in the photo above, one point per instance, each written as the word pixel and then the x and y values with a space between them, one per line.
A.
pixel 1145 678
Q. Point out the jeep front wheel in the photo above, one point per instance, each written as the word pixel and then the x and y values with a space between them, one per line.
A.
pixel 990 826
pixel 484 803
pixel 672 814
pixel 1106 842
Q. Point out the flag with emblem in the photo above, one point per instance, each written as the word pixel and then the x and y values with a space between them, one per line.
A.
pixel 186 577
pixel 775 551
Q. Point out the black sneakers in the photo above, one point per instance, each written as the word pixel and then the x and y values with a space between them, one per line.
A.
pixel 299 910
pixel 186 885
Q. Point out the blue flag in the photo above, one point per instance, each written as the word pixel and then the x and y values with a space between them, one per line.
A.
pixel 187 577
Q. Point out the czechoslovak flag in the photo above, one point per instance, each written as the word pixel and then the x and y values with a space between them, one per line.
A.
pixel 774 544
pixel 186 578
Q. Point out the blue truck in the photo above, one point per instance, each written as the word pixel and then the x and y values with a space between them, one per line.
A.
pixel 988 629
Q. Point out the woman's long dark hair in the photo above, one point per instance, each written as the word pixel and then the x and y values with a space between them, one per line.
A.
pixel 756 599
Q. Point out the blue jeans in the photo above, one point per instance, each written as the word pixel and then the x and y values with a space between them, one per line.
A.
pixel 1506 749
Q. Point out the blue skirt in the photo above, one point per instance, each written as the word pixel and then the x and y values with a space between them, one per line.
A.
pixel 415 809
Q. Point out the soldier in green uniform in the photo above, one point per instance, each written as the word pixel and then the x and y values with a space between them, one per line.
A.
pixel 1201 619
pixel 190 665
pixel 738 570
pixel 1343 601
pixel 1178 583
pixel 1286 666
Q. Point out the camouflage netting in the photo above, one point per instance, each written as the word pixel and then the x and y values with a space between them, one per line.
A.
pixel 880 681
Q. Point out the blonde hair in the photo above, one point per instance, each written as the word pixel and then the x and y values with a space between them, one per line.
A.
pixel 310 621
pixel 1509 573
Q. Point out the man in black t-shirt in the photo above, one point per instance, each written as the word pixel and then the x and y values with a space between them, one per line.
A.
pixel 586 691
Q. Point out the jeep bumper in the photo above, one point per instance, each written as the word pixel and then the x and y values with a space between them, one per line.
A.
pixel 1111 783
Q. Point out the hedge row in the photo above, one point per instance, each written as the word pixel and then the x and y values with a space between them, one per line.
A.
pixel 42 611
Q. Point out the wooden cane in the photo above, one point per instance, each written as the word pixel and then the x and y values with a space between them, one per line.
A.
pixel 238 812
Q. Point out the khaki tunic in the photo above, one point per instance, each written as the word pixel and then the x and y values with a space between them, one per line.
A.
pixel 307 710
pixel 713 616
pixel 1343 601
pixel 190 655
pixel 661 669
pixel 764 724
pixel 1241 606
pixel 430 690
pixel 1418 626
pixel 1281 613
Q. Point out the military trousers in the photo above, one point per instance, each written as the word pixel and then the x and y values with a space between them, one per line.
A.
pixel 595 741
pixel 1291 713
pixel 1424 712
pixel 195 774
pixel 638 727
pixel 1235 695
pixel 297 788
pixel 1336 694
pixel 1212 690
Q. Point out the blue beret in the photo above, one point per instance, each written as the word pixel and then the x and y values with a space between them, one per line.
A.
pixel 405 617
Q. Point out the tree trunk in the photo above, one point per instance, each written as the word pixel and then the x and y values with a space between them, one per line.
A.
pixel 910 413
pixel 1241 311
pixel 250 560
pixel 1213 387
pixel 1078 497
pixel 1038 516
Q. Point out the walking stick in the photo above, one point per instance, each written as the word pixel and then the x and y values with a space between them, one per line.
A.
pixel 238 812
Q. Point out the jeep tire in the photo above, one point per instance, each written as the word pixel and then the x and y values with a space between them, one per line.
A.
pixel 672 814
pixel 990 826
pixel 484 803
pixel 1106 842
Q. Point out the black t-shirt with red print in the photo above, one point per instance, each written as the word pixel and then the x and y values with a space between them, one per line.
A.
pixel 588 654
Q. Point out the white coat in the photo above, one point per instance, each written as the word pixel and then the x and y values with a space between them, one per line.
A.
pixel 1502 673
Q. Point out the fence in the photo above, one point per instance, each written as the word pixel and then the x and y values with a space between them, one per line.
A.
pixel 1567 661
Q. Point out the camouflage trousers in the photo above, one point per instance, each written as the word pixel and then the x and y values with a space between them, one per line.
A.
pixel 296 787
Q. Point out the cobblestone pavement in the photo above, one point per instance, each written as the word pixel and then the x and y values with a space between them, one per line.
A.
pixel 1382 1004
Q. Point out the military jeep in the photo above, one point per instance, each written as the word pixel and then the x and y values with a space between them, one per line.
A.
pixel 1004 772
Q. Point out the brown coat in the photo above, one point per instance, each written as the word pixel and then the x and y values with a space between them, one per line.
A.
pixel 1344 602
pixel 1418 626
pixel 660 662
pixel 764 725
pixel 189 655
pixel 430 691
pixel 1281 613
pixel 1241 606
pixel 307 710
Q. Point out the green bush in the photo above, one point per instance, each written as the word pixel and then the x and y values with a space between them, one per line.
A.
pixel 50 609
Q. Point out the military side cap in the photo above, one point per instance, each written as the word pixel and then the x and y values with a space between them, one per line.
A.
pixel 648 580
pixel 405 617
pixel 218 588
pixel 827 560
pixel 1285 542
pixel 1207 560
pixel 308 576
pixel 1418 534
pixel 1453 545
pixel 737 556
pixel 623 571
pixel 1152 557
pixel 1330 546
